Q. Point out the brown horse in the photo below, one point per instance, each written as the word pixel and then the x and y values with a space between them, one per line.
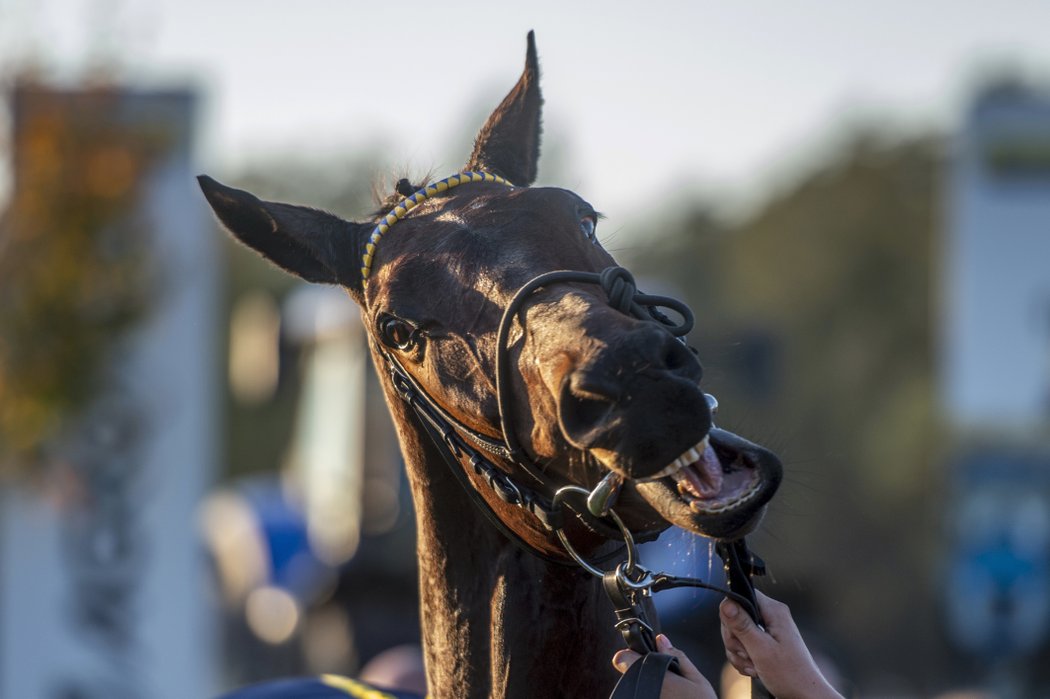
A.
pixel 504 391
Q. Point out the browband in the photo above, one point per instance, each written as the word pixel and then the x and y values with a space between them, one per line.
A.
pixel 412 201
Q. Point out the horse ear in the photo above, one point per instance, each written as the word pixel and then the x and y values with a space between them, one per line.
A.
pixel 311 244
pixel 509 142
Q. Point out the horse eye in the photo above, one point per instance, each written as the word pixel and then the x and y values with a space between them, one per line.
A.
pixel 587 225
pixel 396 333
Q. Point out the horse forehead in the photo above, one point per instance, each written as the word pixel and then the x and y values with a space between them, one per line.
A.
pixel 490 227
pixel 492 241
pixel 517 207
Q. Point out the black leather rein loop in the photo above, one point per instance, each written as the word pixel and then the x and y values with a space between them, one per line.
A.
pixel 645 678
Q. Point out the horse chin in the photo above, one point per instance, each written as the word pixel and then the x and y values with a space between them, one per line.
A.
pixel 722 494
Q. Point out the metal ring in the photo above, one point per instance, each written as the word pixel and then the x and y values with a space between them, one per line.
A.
pixel 632 554
pixel 623 575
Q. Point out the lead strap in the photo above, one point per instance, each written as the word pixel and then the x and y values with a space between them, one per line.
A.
pixel 645 677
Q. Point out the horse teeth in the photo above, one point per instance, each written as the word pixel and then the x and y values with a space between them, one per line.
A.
pixel 689 456
pixel 701 508
pixel 668 470
pixel 702 445
pixel 693 453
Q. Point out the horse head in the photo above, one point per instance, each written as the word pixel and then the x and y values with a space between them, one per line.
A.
pixel 571 377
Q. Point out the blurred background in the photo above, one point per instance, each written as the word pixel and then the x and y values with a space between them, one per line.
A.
pixel 199 487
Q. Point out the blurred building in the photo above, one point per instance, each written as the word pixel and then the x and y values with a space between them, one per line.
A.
pixel 995 386
pixel 996 335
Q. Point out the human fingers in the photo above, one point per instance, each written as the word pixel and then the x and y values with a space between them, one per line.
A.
pixel 689 671
pixel 731 642
pixel 757 644
pixel 775 613
pixel 740 624
pixel 623 659
pixel 690 683
pixel 736 654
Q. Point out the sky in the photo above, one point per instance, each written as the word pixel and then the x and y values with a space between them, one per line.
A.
pixel 725 98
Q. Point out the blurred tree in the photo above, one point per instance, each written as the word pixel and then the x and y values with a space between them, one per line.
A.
pixel 74 260
pixel 815 322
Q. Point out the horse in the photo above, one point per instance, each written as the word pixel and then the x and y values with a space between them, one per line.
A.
pixel 548 412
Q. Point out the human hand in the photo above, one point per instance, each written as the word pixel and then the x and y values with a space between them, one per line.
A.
pixel 776 654
pixel 689 685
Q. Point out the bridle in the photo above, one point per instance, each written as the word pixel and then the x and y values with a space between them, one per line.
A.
pixel 461 444
pixel 629 585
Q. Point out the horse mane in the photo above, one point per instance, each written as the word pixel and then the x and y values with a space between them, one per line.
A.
pixel 402 188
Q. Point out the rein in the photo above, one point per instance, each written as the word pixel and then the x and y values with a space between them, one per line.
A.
pixel 629 585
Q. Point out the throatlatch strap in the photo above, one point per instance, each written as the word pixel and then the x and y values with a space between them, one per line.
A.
pixel 644 679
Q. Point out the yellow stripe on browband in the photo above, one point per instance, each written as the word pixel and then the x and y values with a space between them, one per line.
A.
pixel 354 689
pixel 411 202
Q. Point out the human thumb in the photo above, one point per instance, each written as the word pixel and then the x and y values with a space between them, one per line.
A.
pixel 738 621
pixel 623 659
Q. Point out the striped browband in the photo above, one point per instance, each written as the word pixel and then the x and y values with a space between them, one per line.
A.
pixel 410 202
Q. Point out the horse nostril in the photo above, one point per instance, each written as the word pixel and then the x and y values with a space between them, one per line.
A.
pixel 673 358
pixel 584 414
pixel 584 408
pixel 680 359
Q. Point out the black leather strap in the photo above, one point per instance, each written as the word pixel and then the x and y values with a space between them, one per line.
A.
pixel 740 566
pixel 637 621
pixel 636 617
pixel 645 678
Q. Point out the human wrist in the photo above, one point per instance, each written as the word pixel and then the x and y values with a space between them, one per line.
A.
pixel 820 689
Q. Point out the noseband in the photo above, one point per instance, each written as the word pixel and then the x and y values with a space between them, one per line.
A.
pixel 619 288
pixel 629 585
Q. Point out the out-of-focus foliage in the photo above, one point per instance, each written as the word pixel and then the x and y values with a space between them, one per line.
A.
pixel 73 260
pixel 815 325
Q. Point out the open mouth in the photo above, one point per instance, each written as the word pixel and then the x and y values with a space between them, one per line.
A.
pixel 716 488
pixel 711 480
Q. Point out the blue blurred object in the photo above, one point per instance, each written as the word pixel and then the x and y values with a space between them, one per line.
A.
pixel 282 528
pixel 328 687
pixel 998 578
pixel 684 554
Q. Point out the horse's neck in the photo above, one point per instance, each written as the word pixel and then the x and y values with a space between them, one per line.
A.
pixel 497 621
